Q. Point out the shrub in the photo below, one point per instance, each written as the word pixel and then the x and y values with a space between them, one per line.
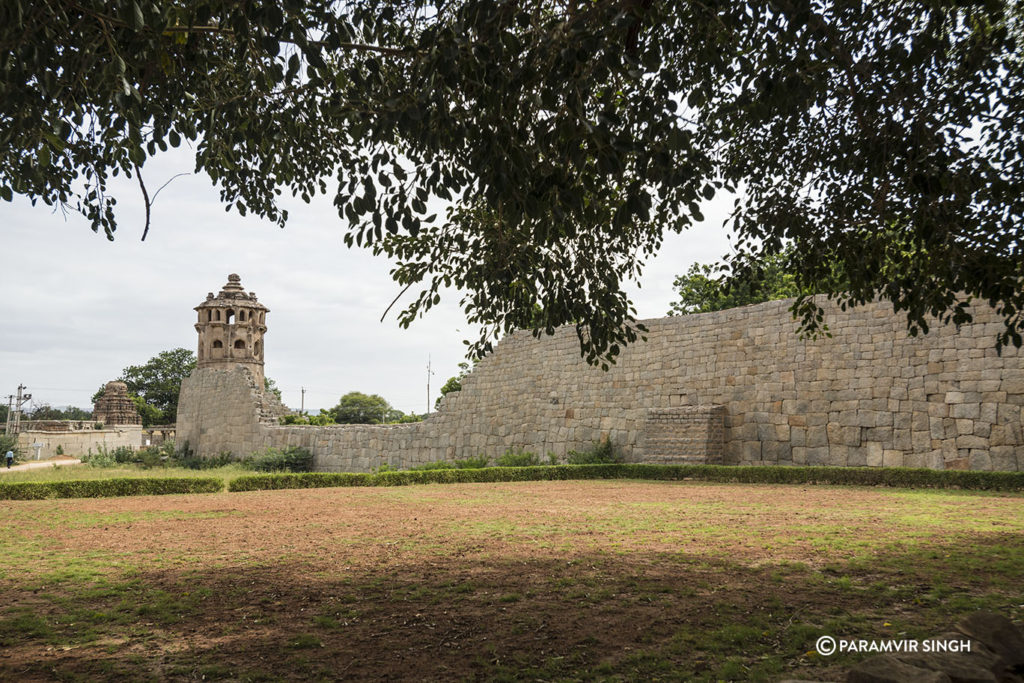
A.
pixel 476 463
pixel 188 461
pixel 101 458
pixel 601 453
pixel 465 464
pixel 60 450
pixel 521 459
pixel 998 481
pixel 439 465
pixel 291 459
pixel 105 488
pixel 123 454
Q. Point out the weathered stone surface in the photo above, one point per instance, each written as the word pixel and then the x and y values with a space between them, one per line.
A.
pixel 114 407
pixel 869 395
pixel 889 669
pixel 998 633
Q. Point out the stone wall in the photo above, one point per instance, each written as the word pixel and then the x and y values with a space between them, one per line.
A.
pixel 685 435
pixel 868 395
pixel 76 442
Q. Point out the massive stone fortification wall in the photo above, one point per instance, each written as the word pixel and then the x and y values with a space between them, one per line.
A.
pixel 736 387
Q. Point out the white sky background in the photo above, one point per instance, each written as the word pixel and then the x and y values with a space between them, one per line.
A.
pixel 76 309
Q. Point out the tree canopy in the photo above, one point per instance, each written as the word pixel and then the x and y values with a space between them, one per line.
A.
pixel 700 291
pixel 356 407
pixel 154 386
pixel 565 137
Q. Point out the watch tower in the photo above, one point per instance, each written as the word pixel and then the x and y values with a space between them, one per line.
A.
pixel 231 327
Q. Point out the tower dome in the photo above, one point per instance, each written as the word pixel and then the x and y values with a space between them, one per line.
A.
pixel 231 327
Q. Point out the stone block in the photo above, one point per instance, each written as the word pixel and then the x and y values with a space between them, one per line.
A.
pixel 970 441
pixel 980 460
pixel 964 427
pixel 892 458
pixel 873 452
pixel 818 456
pixel 971 411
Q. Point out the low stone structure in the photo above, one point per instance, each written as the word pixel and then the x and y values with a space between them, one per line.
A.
pixel 114 407
pixel 735 387
pixel 75 438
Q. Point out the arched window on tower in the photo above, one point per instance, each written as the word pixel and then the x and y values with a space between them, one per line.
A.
pixel 218 349
pixel 239 343
pixel 257 349
pixel 241 316
pixel 229 316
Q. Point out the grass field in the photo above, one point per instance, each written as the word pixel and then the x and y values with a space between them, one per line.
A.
pixel 620 580
pixel 75 472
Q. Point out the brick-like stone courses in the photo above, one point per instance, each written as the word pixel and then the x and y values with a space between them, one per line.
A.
pixel 869 395
pixel 114 407
pixel 682 436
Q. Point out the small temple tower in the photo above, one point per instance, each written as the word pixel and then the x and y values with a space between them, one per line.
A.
pixel 231 328
pixel 114 407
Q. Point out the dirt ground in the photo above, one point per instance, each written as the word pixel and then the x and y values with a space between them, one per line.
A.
pixel 527 581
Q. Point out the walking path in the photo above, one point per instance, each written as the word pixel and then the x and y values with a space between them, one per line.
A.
pixel 37 464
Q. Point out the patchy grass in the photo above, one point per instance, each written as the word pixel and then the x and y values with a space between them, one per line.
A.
pixel 79 472
pixel 620 580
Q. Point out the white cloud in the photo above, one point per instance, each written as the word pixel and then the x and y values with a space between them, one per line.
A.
pixel 76 308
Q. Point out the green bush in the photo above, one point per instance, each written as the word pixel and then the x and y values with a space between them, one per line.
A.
pixel 105 488
pixel 101 458
pixel 514 459
pixel 185 459
pixel 897 477
pixel 465 464
pixel 123 454
pixel 602 453
pixel 291 459
pixel 473 463
pixel 439 465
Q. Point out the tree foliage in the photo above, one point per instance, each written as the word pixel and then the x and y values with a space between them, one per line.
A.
pixel 566 137
pixel 705 288
pixel 358 408
pixel 453 383
pixel 45 411
pixel 157 384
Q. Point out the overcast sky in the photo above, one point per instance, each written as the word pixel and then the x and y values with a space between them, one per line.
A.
pixel 76 308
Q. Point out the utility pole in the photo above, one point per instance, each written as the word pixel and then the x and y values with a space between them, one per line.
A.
pixel 19 401
pixel 302 405
pixel 429 373
pixel 10 413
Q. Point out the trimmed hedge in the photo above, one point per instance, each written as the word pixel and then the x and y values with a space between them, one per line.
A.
pixel 107 488
pixel 854 476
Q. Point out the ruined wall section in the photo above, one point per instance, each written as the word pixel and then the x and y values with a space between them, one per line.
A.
pixel 77 442
pixel 869 395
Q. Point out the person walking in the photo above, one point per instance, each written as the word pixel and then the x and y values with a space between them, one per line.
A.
pixel 10 459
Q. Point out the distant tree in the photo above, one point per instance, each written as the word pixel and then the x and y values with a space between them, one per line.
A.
pixel 3 414
pixel 270 386
pixel 151 415
pixel 396 416
pixel 453 383
pixel 48 412
pixel 701 291
pixel 43 412
pixel 76 413
pixel 358 408
pixel 158 381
